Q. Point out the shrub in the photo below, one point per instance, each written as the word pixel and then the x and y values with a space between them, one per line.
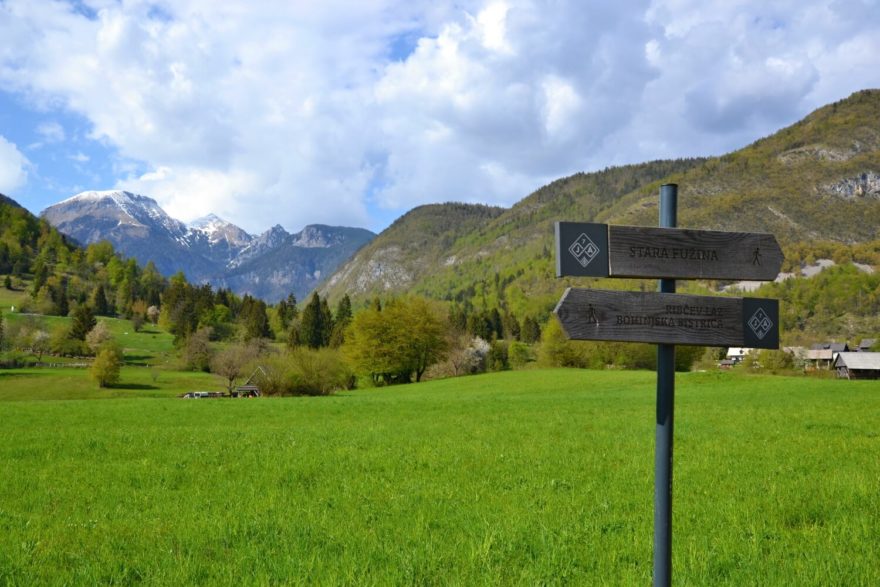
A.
pixel 105 368
pixel 519 354
pixel 498 357
pixel 304 371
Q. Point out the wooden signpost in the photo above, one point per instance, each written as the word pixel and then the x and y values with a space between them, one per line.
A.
pixel 666 318
pixel 602 250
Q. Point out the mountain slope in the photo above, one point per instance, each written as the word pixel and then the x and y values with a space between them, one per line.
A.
pixel 416 244
pixel 818 179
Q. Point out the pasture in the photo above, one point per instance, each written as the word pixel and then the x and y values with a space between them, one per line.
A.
pixel 532 477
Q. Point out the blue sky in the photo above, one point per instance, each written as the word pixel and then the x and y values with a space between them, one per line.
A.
pixel 353 112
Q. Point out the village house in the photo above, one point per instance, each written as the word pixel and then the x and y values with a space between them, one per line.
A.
pixel 857 365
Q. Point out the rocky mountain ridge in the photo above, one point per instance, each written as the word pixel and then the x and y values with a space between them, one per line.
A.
pixel 210 249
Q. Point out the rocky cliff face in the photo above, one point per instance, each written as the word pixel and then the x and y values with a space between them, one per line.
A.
pixel 865 185
pixel 209 250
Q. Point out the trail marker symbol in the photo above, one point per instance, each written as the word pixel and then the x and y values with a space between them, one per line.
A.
pixel 760 323
pixel 584 250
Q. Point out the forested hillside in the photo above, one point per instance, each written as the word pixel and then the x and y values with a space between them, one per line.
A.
pixel 815 185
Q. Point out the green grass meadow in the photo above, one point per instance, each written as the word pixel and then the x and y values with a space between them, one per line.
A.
pixel 532 477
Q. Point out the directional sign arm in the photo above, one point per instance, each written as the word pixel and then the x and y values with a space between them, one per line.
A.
pixel 600 250
pixel 666 318
pixel 637 251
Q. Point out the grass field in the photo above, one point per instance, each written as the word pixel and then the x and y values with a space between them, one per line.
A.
pixel 534 477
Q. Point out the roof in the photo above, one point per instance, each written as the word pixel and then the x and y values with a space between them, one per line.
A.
pixel 866 344
pixel 837 347
pixel 858 361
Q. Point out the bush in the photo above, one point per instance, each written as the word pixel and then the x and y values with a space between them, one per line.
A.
pixel 519 354
pixel 105 368
pixel 498 360
pixel 304 371
pixel 556 350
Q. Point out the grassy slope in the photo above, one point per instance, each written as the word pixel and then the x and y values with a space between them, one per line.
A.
pixel 526 477
pixel 151 345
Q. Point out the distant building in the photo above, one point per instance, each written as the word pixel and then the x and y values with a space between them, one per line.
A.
pixel 737 354
pixel 858 365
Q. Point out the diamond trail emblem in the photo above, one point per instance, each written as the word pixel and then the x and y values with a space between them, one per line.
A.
pixel 584 250
pixel 760 323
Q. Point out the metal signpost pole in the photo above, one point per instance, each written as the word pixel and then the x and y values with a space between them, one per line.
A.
pixel 665 420
pixel 588 249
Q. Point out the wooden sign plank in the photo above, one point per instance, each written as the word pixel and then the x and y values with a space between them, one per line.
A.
pixel 666 318
pixel 599 250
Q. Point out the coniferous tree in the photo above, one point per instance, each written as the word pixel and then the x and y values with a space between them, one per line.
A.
pixel 282 314
pixel 496 322
pixel 83 322
pixel 340 322
pixel 531 330
pixel 287 311
pixel 327 323
pixel 254 319
pixel 343 310
pixel 99 300
pixel 312 327
pixel 511 326
pixel 41 275
pixel 479 324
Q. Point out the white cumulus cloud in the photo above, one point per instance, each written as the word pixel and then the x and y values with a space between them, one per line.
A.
pixel 335 111
pixel 13 167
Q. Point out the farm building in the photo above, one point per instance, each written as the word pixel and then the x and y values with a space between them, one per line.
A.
pixel 862 365
pixel 822 355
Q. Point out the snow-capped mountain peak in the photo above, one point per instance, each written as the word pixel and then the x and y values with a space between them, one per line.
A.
pixel 121 206
pixel 217 230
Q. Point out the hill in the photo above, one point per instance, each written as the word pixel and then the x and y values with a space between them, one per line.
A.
pixel 818 179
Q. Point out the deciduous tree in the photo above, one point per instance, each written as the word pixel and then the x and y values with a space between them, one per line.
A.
pixel 106 366
pixel 399 342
